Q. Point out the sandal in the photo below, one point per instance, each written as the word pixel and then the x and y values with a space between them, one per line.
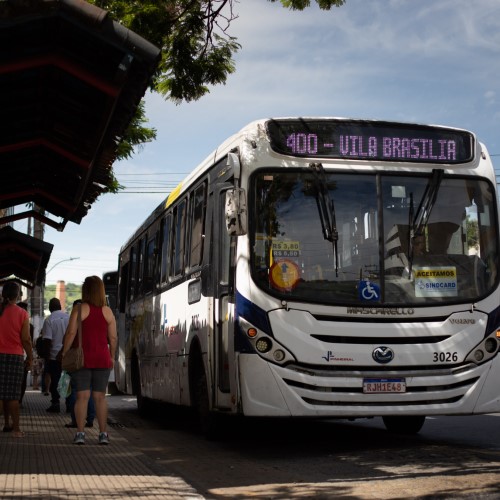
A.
pixel 18 434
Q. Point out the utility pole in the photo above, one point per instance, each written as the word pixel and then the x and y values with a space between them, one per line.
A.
pixel 37 292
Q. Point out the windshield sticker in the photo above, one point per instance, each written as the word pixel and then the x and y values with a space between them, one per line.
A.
pixel 284 275
pixel 283 249
pixel 368 291
pixel 435 281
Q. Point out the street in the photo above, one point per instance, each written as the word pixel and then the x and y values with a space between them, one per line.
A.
pixel 451 457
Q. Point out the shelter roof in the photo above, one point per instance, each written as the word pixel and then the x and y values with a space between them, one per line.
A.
pixel 70 82
pixel 23 256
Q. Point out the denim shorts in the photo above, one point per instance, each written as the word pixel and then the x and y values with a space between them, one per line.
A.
pixel 86 379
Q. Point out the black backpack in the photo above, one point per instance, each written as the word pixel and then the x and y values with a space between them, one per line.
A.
pixel 41 347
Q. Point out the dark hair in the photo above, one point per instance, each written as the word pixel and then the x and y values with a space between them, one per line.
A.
pixel 54 304
pixel 10 291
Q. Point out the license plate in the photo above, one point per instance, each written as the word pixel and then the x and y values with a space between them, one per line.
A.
pixel 384 385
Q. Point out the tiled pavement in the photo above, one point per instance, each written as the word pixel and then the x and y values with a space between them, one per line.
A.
pixel 46 464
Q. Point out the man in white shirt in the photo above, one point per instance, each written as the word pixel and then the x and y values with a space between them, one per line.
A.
pixel 53 330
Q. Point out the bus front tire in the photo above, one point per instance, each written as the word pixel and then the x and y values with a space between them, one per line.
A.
pixel 408 424
pixel 209 421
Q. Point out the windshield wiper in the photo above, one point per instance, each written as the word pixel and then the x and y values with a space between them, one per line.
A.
pixel 417 223
pixel 326 209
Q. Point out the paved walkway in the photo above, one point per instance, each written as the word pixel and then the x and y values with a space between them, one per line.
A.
pixel 46 464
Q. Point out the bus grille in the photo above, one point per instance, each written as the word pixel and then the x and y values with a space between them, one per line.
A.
pixel 344 388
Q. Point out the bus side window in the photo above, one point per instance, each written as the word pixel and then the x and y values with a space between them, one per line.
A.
pixel 198 207
pixel 179 239
pixel 157 259
pixel 149 264
pixel 140 267
pixel 133 271
pixel 165 247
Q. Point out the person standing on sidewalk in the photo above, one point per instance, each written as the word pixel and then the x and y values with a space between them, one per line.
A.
pixel 14 341
pixel 70 400
pixel 99 346
pixel 53 331
pixel 24 305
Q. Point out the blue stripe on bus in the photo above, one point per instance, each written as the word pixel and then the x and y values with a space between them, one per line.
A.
pixel 252 313
pixel 248 310
pixel 493 321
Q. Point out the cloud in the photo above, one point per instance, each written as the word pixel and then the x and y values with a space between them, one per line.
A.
pixel 490 97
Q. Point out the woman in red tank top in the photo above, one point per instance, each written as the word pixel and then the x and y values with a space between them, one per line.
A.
pixel 99 347
pixel 14 341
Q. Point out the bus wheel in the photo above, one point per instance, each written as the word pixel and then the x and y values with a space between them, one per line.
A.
pixel 208 420
pixel 404 425
pixel 143 403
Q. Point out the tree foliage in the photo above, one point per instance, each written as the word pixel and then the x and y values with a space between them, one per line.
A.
pixel 137 134
pixel 472 228
pixel 197 49
pixel 73 292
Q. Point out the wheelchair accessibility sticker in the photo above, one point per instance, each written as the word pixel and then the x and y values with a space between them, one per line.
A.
pixel 368 291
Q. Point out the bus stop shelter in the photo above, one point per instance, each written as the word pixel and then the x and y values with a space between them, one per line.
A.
pixel 23 256
pixel 71 79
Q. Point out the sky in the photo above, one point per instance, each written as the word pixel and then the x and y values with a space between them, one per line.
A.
pixel 425 61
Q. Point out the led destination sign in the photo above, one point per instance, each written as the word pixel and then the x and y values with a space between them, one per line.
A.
pixel 366 140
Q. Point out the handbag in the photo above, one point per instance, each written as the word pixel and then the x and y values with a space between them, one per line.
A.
pixel 73 359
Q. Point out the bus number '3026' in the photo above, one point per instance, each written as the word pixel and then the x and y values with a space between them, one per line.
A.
pixel 445 357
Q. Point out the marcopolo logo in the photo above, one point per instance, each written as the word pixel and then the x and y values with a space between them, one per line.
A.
pixel 383 354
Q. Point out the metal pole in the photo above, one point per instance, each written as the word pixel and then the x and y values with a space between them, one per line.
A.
pixel 37 294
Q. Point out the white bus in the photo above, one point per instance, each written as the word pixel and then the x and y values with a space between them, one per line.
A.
pixel 320 267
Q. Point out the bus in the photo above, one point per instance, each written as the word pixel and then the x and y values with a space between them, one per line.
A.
pixel 323 268
pixel 110 280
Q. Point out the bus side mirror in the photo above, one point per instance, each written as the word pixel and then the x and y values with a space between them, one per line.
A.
pixel 236 212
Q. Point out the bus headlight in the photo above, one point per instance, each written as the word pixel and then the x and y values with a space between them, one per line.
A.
pixel 479 355
pixel 485 350
pixel 263 345
pixel 491 345
pixel 279 355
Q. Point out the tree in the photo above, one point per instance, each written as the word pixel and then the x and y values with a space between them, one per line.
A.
pixel 73 292
pixel 472 228
pixel 197 49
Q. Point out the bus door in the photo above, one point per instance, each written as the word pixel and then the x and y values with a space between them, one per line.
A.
pixel 223 252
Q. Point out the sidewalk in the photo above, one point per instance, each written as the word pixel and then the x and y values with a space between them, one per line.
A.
pixel 46 464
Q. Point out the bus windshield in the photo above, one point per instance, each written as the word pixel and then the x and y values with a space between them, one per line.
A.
pixel 400 239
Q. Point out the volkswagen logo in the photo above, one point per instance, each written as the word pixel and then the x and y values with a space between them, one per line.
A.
pixel 383 354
